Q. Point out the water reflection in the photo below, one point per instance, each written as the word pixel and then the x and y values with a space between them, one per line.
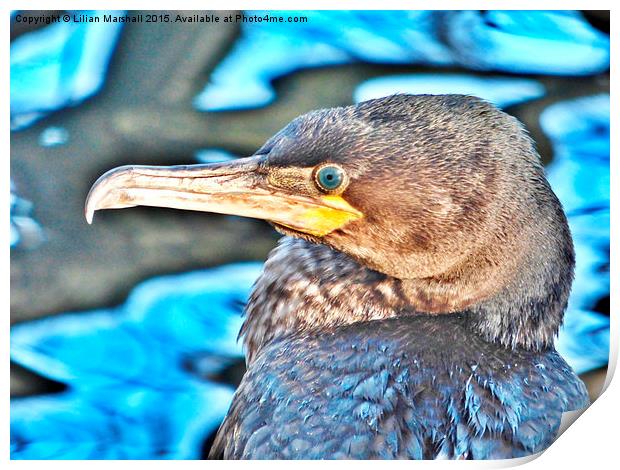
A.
pixel 58 66
pixel 53 136
pixel 561 43
pixel 579 175
pixel 213 156
pixel 25 230
pixel 132 392
pixel 501 91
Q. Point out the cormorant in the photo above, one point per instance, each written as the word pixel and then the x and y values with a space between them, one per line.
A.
pixel 410 310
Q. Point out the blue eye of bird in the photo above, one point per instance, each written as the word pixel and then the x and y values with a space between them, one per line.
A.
pixel 329 178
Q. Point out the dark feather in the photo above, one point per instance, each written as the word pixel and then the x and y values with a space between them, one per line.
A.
pixel 417 387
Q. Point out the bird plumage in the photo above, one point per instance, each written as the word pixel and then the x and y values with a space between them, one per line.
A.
pixel 415 387
pixel 411 310
pixel 365 377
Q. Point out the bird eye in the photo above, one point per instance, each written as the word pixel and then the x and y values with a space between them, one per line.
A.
pixel 329 178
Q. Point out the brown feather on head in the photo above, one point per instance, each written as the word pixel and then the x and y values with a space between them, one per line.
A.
pixel 443 198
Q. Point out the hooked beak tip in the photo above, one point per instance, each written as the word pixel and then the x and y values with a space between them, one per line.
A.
pixel 90 207
pixel 99 192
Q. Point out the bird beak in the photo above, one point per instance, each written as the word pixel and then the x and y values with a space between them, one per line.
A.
pixel 236 188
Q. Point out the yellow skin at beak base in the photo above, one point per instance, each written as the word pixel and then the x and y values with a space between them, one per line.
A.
pixel 321 221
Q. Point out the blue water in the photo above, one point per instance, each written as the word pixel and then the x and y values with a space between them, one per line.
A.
pixel 501 91
pixel 57 66
pixel 551 43
pixel 579 175
pixel 131 392
pixel 25 230
pixel 213 156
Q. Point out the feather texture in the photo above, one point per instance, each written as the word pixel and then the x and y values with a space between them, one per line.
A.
pixel 418 387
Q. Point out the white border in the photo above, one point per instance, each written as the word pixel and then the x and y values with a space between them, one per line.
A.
pixel 591 442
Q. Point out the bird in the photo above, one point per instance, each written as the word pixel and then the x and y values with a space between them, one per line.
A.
pixel 410 310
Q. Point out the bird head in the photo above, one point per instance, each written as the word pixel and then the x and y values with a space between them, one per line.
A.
pixel 443 192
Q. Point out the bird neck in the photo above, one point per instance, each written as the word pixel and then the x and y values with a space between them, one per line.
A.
pixel 307 288
pixel 527 309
